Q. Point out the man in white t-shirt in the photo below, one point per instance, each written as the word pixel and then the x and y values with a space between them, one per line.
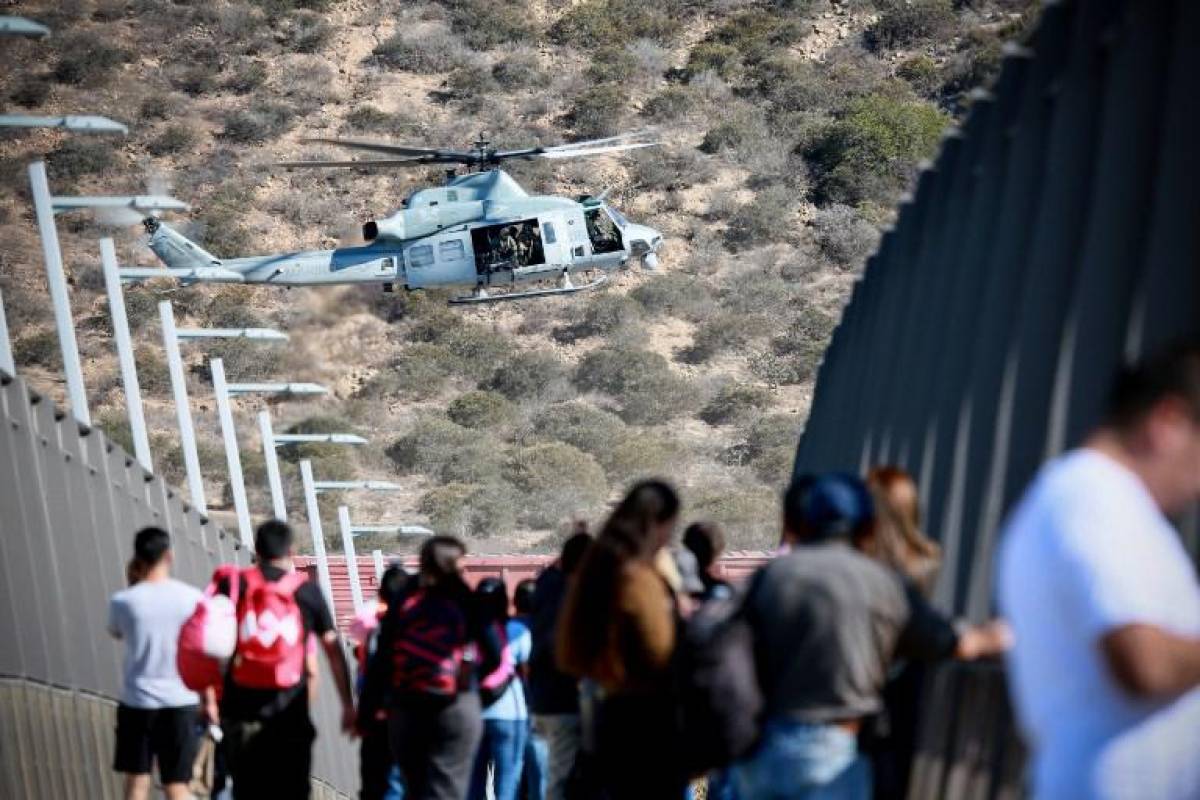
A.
pixel 1104 601
pixel 158 718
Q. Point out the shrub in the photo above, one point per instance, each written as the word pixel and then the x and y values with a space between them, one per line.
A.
pixel 676 294
pixel 905 23
pixel 475 351
pixel 141 306
pixel 580 425
pixel 481 409
pixel 772 431
pixel 305 32
pixel 222 218
pixel 485 24
pixel 478 462
pixel 262 123
pixel 769 217
pixel 656 168
pixel 40 349
pixel 733 401
pixel 599 110
pixel 529 375
pixel 555 481
pixel 175 138
pixel 843 235
pixel 428 445
pixel 920 72
pixel 31 91
pixel 419 372
pixel 432 52
pixel 79 156
pixel 242 357
pixel 613 64
pixel 370 118
pixel 593 24
pixel 520 71
pixel 159 105
pixel 230 307
pixel 605 315
pixel 672 103
pixel 723 332
pixel 722 59
pixel 86 58
pixel 790 85
pixel 799 349
pixel 465 510
pixel 740 128
pixel 153 377
pixel 248 75
pixel 309 82
pixel 869 154
pixel 635 456
pixel 193 78
pixel 115 426
pixel 748 514
pixel 758 33
pixel 470 85
pixel 641 382
pixel 774 467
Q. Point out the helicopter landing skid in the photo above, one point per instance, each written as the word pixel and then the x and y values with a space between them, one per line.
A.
pixel 481 297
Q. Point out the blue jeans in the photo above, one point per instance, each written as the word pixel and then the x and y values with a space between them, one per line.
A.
pixel 537 766
pixel 503 747
pixel 800 761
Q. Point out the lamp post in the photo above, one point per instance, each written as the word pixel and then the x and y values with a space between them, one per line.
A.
pixel 272 441
pixel 311 488
pixel 349 530
pixel 233 457
pixel 129 378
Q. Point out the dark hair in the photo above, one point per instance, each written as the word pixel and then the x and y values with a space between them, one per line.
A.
pixel 706 540
pixel 150 545
pixel 793 502
pixel 439 559
pixel 394 584
pixel 273 540
pixel 1139 387
pixel 588 611
pixel 493 599
pixel 573 551
pixel 523 596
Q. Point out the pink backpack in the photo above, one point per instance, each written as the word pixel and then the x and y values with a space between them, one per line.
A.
pixel 208 637
pixel 270 633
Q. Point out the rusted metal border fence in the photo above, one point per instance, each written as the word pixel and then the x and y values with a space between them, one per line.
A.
pixel 69 505
pixel 1056 236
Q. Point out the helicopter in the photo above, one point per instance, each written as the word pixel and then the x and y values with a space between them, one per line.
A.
pixel 480 231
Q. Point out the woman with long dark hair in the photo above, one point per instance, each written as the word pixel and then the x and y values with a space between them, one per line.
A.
pixel 618 631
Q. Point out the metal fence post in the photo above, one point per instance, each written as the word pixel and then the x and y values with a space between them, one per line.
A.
pixel 314 526
pixel 377 557
pixel 351 557
pixel 233 456
pixel 183 412
pixel 120 324
pixel 278 501
pixel 57 282
pixel 7 366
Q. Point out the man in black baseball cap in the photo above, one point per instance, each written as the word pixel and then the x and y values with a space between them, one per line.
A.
pixel 827 621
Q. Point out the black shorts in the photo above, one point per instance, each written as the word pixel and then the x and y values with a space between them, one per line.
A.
pixel 169 736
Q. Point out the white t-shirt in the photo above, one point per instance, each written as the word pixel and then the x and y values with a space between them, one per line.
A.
pixel 1088 551
pixel 147 617
pixel 510 706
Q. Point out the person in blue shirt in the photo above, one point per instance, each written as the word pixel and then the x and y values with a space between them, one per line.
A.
pixel 505 715
pixel 537 750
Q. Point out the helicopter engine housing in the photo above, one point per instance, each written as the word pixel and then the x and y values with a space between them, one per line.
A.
pixel 422 220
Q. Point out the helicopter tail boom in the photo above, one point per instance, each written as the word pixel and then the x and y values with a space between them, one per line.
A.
pixel 176 250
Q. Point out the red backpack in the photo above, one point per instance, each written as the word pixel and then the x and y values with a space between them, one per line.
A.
pixel 208 637
pixel 271 642
pixel 431 651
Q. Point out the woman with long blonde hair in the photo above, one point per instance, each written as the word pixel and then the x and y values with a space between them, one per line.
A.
pixel 898 540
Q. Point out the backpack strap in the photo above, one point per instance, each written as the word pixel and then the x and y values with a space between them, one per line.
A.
pixel 229 573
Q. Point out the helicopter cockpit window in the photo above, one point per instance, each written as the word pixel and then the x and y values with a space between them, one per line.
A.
pixel 420 256
pixel 548 233
pixel 452 196
pixel 603 233
pixel 451 251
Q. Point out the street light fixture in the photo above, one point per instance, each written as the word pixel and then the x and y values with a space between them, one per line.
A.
pixel 271 441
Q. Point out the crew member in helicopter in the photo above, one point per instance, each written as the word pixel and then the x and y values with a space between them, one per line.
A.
pixel 525 242
pixel 508 244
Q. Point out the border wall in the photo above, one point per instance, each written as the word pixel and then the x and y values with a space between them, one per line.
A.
pixel 1055 236
pixel 69 505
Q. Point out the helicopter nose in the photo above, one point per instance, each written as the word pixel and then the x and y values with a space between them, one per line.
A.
pixel 644 240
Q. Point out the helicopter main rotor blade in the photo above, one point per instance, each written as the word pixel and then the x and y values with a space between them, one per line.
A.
pixel 392 149
pixel 595 151
pixel 621 137
pixel 361 164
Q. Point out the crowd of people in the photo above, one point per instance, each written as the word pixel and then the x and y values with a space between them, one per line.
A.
pixel 631 669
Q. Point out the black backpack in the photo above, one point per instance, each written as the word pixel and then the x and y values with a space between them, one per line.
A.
pixel 719 699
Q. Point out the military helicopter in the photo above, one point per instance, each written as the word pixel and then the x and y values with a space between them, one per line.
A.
pixel 480 231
